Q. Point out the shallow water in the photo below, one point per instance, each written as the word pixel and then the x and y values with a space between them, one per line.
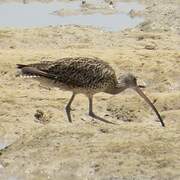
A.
pixel 38 14
pixel 4 143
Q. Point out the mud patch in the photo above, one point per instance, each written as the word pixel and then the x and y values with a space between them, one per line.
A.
pixel 42 117
pixel 127 109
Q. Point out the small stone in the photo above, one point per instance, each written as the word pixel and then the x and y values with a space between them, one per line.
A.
pixel 12 47
pixel 140 38
pixel 104 130
pixel 150 47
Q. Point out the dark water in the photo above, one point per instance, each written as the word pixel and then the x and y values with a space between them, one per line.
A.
pixel 40 14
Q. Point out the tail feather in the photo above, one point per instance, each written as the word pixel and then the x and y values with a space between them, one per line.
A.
pixel 20 66
pixel 31 71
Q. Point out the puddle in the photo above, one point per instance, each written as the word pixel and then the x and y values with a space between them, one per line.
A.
pixel 7 175
pixel 38 14
pixel 4 143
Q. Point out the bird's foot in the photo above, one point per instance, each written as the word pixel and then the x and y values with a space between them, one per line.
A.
pixel 99 118
pixel 92 114
pixel 69 108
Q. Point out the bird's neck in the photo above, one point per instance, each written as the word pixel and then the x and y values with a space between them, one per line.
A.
pixel 117 89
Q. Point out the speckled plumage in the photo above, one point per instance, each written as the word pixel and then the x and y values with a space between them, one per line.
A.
pixel 83 75
pixel 79 73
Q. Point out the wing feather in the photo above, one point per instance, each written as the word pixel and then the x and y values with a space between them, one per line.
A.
pixel 75 72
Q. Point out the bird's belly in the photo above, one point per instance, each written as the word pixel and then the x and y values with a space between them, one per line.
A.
pixel 49 83
pixel 45 82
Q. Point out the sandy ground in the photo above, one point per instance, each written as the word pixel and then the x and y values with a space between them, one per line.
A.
pixel 136 147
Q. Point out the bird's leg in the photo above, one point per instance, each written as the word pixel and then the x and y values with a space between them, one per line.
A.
pixel 68 107
pixel 91 113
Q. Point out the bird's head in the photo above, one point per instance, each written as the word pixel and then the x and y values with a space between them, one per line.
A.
pixel 130 81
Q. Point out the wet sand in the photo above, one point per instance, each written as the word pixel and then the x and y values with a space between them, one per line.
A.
pixel 137 147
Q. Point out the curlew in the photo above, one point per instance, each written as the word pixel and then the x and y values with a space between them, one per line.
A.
pixel 83 75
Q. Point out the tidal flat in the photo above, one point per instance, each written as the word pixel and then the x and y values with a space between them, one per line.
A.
pixel 137 147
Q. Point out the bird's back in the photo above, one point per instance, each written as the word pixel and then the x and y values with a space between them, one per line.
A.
pixel 79 72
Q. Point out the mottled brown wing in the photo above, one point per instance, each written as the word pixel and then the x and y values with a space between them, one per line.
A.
pixel 75 72
pixel 83 72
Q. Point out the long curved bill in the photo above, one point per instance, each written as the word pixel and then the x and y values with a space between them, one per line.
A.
pixel 138 90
